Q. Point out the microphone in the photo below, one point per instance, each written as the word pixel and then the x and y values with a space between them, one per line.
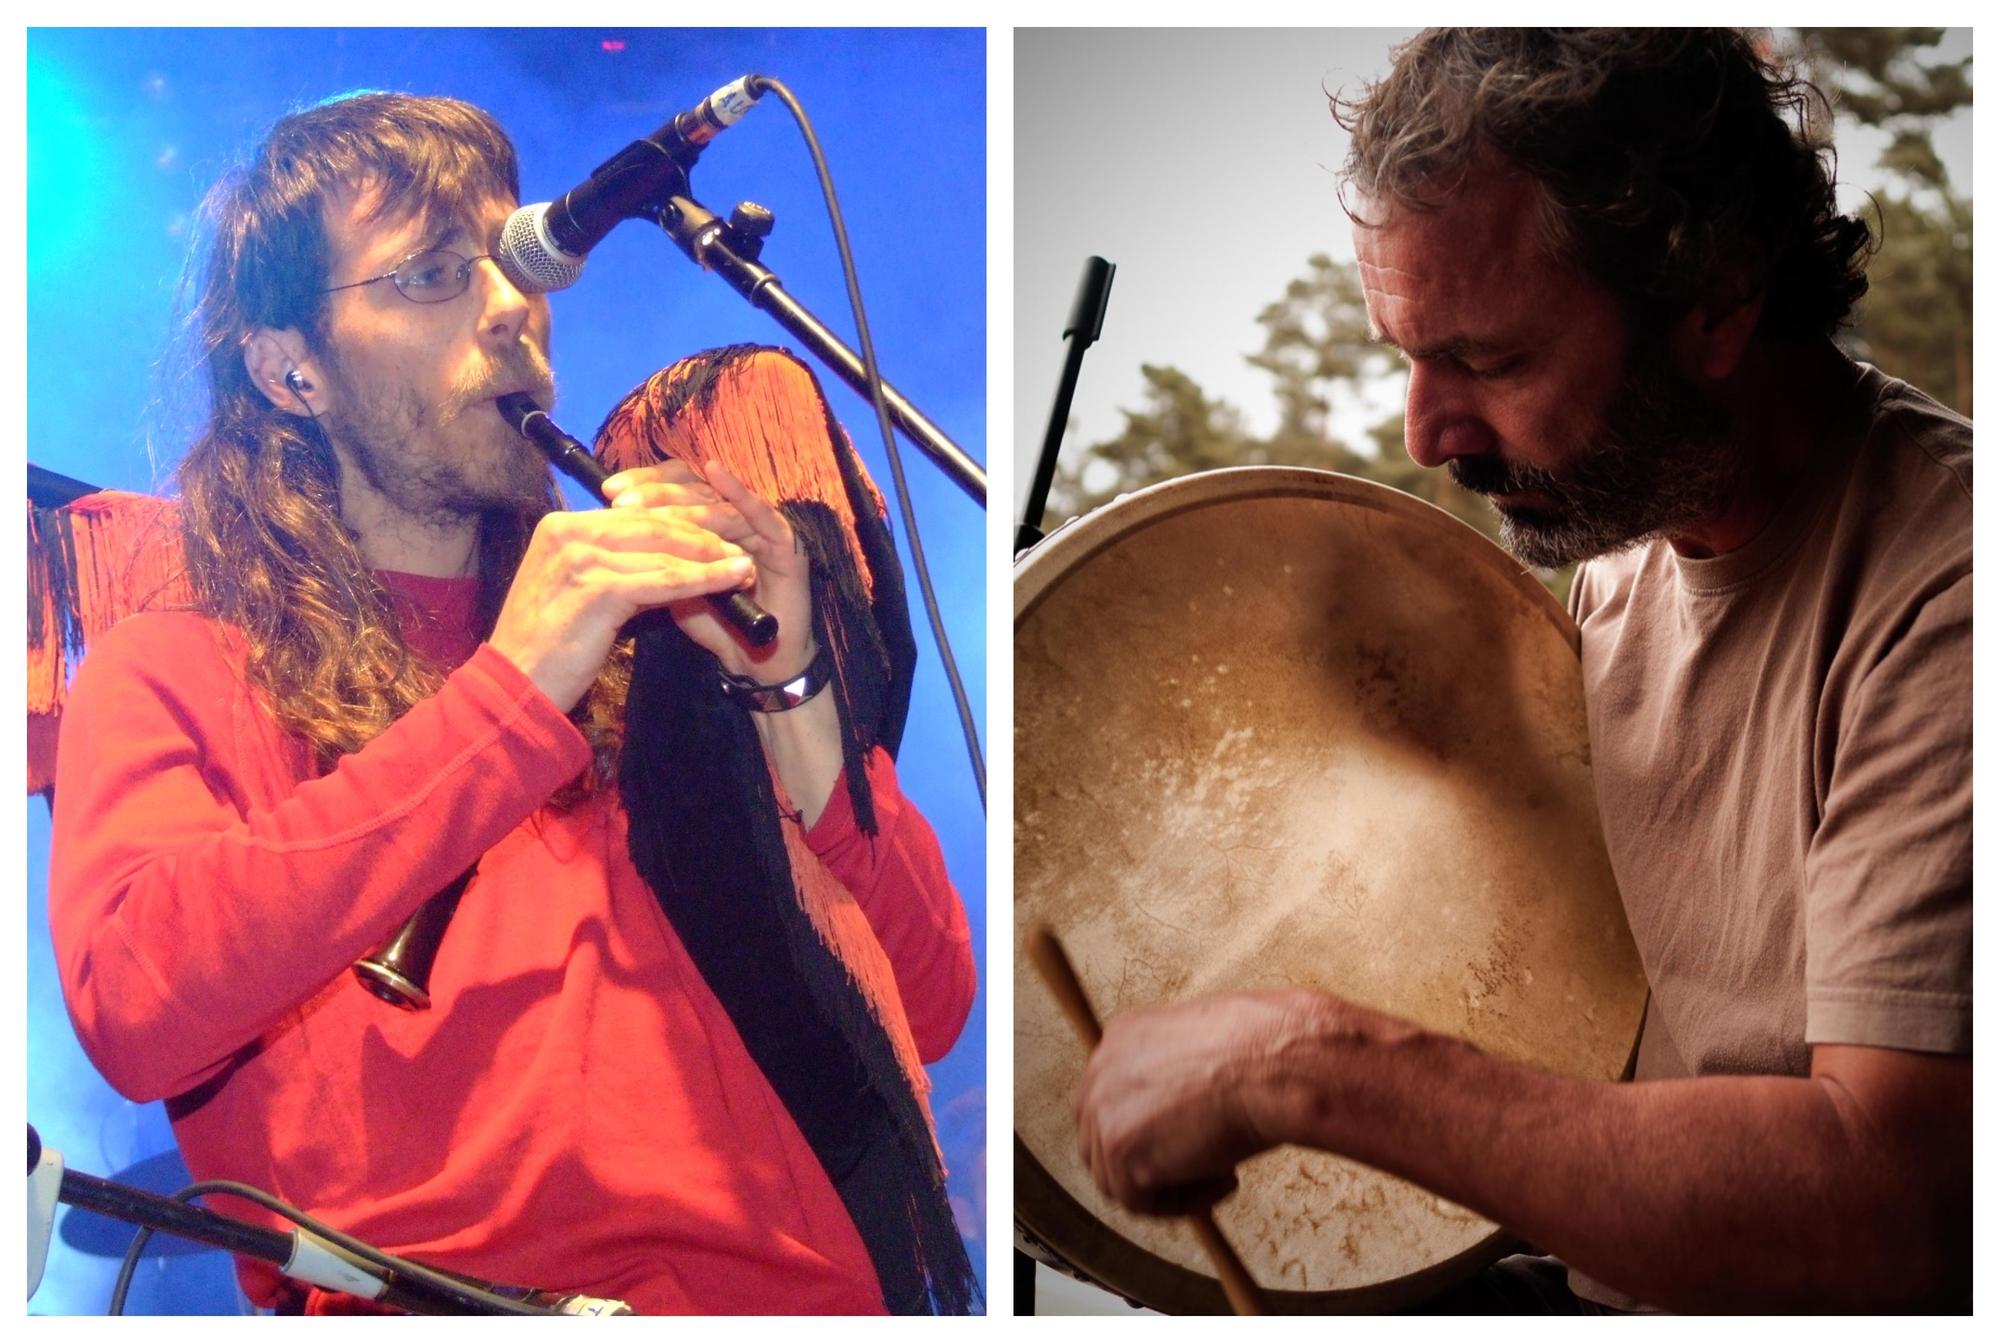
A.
pixel 542 247
pixel 571 458
pixel 302 1252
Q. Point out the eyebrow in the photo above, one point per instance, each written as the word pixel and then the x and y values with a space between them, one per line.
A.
pixel 431 241
pixel 439 236
pixel 1458 347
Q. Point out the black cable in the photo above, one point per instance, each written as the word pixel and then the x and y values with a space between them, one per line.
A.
pixel 903 506
pixel 406 1268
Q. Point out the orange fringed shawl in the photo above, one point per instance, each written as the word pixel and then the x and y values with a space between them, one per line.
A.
pixel 91 563
pixel 811 994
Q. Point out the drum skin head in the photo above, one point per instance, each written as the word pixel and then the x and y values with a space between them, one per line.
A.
pixel 1282 728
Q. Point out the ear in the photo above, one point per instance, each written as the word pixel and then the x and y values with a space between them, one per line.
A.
pixel 270 355
pixel 1714 335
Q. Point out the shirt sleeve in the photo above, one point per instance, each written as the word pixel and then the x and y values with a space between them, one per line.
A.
pixel 189 917
pixel 1889 870
pixel 898 877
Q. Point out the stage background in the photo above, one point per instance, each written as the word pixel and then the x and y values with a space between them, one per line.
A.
pixel 127 128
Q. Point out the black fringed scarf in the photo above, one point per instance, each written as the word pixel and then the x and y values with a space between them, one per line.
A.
pixel 705 831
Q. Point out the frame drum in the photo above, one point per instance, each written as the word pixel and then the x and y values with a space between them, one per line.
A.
pixel 1285 728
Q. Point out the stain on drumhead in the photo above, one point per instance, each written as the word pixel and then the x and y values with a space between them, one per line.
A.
pixel 1290 741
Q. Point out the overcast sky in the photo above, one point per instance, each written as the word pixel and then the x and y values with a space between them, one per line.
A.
pixel 1202 164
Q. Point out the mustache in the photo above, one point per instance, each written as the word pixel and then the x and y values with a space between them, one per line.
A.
pixel 1491 475
pixel 530 373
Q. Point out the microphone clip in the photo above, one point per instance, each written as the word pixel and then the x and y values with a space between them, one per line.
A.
pixel 635 183
pixel 699 231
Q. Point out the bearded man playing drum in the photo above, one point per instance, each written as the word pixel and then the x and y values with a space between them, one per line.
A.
pixel 1614 267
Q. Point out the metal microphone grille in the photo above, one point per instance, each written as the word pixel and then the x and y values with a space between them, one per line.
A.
pixel 531 261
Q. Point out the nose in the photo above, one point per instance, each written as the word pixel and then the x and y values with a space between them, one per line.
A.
pixel 1441 418
pixel 503 309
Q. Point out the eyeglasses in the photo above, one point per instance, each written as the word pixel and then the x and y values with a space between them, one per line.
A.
pixel 426 277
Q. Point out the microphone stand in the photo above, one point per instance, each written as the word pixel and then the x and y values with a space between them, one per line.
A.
pixel 1083 330
pixel 1085 325
pixel 729 248
pixel 300 1254
pixel 144 1208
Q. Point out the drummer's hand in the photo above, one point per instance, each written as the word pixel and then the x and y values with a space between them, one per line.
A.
pixel 1168 1105
pixel 783 584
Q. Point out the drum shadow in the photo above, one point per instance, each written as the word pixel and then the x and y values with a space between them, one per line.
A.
pixel 1440 664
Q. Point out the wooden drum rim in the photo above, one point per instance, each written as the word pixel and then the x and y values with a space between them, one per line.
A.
pixel 1076 541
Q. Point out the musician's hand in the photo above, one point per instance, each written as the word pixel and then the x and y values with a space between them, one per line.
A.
pixel 1170 1102
pixel 783 582
pixel 585 574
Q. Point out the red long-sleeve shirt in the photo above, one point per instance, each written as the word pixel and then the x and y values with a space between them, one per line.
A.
pixel 576 1111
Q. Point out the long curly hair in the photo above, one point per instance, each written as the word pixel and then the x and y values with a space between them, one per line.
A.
pixel 1666 158
pixel 267 551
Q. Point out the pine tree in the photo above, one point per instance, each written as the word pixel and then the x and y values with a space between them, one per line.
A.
pixel 1916 320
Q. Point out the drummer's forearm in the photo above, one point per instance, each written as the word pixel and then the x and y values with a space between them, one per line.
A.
pixel 1704 1194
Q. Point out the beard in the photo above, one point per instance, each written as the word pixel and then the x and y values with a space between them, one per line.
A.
pixel 1660 462
pixel 442 462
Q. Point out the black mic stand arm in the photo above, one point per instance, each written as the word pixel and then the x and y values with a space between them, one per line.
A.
pixel 729 248
pixel 301 1254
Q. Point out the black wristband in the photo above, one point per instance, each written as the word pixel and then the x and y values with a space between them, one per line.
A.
pixel 761 698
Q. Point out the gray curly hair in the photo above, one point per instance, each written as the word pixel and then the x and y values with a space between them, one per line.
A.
pixel 1666 158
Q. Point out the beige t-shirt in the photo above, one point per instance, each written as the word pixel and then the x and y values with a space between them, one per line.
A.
pixel 1782 743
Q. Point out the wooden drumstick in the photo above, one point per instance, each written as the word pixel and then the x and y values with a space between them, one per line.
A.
pixel 1046 951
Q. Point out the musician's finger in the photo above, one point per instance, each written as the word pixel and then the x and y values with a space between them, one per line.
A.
pixel 660 580
pixel 672 525
pixel 1090 1146
pixel 662 494
pixel 642 580
pixel 681 580
pixel 722 519
pixel 769 523
pixel 609 568
pixel 669 472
